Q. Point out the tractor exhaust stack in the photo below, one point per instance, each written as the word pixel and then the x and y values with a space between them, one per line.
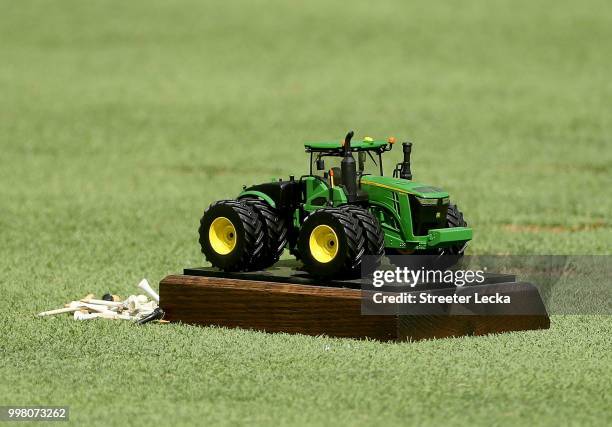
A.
pixel 348 168
pixel 405 172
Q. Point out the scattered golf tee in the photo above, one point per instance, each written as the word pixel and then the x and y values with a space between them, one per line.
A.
pixel 72 307
pixel 144 285
pixel 102 302
pixel 140 302
pixel 115 316
pixel 136 308
pixel 79 315
pixel 96 307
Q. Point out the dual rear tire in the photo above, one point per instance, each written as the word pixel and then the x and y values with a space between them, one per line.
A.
pixel 248 234
pixel 242 235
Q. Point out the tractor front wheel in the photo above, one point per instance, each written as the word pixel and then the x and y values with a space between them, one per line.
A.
pixel 231 236
pixel 331 244
pixel 454 218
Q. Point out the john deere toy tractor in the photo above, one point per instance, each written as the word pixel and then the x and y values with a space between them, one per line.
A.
pixel 331 217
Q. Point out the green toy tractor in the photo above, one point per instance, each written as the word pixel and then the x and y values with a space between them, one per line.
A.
pixel 334 216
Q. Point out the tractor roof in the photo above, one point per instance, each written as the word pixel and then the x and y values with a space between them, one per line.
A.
pixel 332 146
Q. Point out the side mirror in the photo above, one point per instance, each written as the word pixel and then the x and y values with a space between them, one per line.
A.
pixel 320 164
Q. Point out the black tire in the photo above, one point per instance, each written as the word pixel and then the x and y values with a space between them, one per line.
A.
pixel 454 218
pixel 275 232
pixel 372 233
pixel 248 239
pixel 350 244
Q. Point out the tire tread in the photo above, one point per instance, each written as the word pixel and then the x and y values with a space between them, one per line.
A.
pixel 275 232
pixel 253 235
pixel 354 238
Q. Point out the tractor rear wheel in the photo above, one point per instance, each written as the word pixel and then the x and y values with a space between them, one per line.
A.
pixel 231 235
pixel 331 244
pixel 372 233
pixel 275 232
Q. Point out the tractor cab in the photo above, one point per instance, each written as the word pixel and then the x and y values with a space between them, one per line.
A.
pixel 333 166
pixel 333 163
pixel 326 156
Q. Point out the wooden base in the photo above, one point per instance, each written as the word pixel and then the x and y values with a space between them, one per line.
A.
pixel 315 310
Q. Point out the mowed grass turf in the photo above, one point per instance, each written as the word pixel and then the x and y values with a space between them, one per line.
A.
pixel 121 121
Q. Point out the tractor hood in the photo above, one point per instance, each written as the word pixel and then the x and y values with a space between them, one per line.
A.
pixel 404 186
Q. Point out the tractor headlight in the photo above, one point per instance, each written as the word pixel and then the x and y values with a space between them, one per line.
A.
pixel 427 202
pixel 446 201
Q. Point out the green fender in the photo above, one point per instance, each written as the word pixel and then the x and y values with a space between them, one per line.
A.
pixel 259 195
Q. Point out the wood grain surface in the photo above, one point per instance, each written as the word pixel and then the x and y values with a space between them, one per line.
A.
pixel 312 310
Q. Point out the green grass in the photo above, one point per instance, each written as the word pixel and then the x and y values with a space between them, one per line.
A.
pixel 121 121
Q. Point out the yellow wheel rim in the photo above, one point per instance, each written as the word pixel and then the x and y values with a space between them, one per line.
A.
pixel 323 243
pixel 222 235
